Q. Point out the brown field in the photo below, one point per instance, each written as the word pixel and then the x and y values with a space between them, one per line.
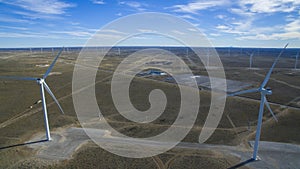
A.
pixel 19 122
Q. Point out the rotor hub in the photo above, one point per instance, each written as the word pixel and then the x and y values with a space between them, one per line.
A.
pixel 266 91
pixel 40 80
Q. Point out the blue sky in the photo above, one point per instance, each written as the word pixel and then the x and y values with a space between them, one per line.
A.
pixel 246 23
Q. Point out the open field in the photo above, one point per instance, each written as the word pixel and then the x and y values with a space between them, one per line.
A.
pixel 20 123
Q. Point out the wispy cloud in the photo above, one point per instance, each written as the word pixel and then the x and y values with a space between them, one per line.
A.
pixel 247 29
pixel 221 16
pixel 147 31
pixel 26 35
pixel 215 34
pixel 293 26
pixel 279 32
pixel 269 6
pixel 119 14
pixel 74 33
pixel 178 32
pixel 199 5
pixel 274 36
pixel 41 6
pixel 112 31
pixel 188 17
pixel 134 4
pixel 13 20
pixel 98 2
pixel 33 15
pixel 13 27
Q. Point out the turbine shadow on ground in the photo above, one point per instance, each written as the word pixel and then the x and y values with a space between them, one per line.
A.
pixel 242 163
pixel 23 144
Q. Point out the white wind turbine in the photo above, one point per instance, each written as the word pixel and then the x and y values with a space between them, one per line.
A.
pixel 296 61
pixel 43 85
pixel 263 91
pixel 250 59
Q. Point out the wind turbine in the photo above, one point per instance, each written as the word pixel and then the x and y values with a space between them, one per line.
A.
pixel 296 61
pixel 207 55
pixel 250 59
pixel 263 91
pixel 43 85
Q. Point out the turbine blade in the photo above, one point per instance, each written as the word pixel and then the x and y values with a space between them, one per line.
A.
pixel 271 69
pixel 268 106
pixel 244 92
pixel 18 78
pixel 52 64
pixel 53 97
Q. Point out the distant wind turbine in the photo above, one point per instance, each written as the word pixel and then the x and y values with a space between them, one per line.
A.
pixel 263 92
pixel 229 51
pixel 30 51
pixel 52 52
pixel 241 51
pixel 207 55
pixel 250 59
pixel 296 60
pixel 43 85
pixel 188 58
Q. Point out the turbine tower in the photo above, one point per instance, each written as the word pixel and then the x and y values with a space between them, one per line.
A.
pixel 207 55
pixel 296 61
pixel 250 59
pixel 263 91
pixel 43 85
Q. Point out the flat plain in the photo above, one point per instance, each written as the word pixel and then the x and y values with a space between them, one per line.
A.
pixel 21 119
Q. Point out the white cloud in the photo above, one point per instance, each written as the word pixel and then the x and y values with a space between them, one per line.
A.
pixel 270 6
pixel 98 2
pixel 101 36
pixel 221 16
pixel 287 35
pixel 134 4
pixel 199 5
pixel 141 37
pixel 74 33
pixel 215 34
pixel 13 27
pixel 25 35
pixel 188 17
pixel 192 29
pixel 113 31
pixel 223 27
pixel 13 20
pixel 279 32
pixel 247 31
pixel 147 31
pixel 274 36
pixel 256 37
pixel 241 11
pixel 178 32
pixel 293 26
pixel 41 6
pixel 74 23
pixel 34 15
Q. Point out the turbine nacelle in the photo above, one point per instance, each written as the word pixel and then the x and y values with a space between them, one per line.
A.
pixel 266 91
pixel 40 81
